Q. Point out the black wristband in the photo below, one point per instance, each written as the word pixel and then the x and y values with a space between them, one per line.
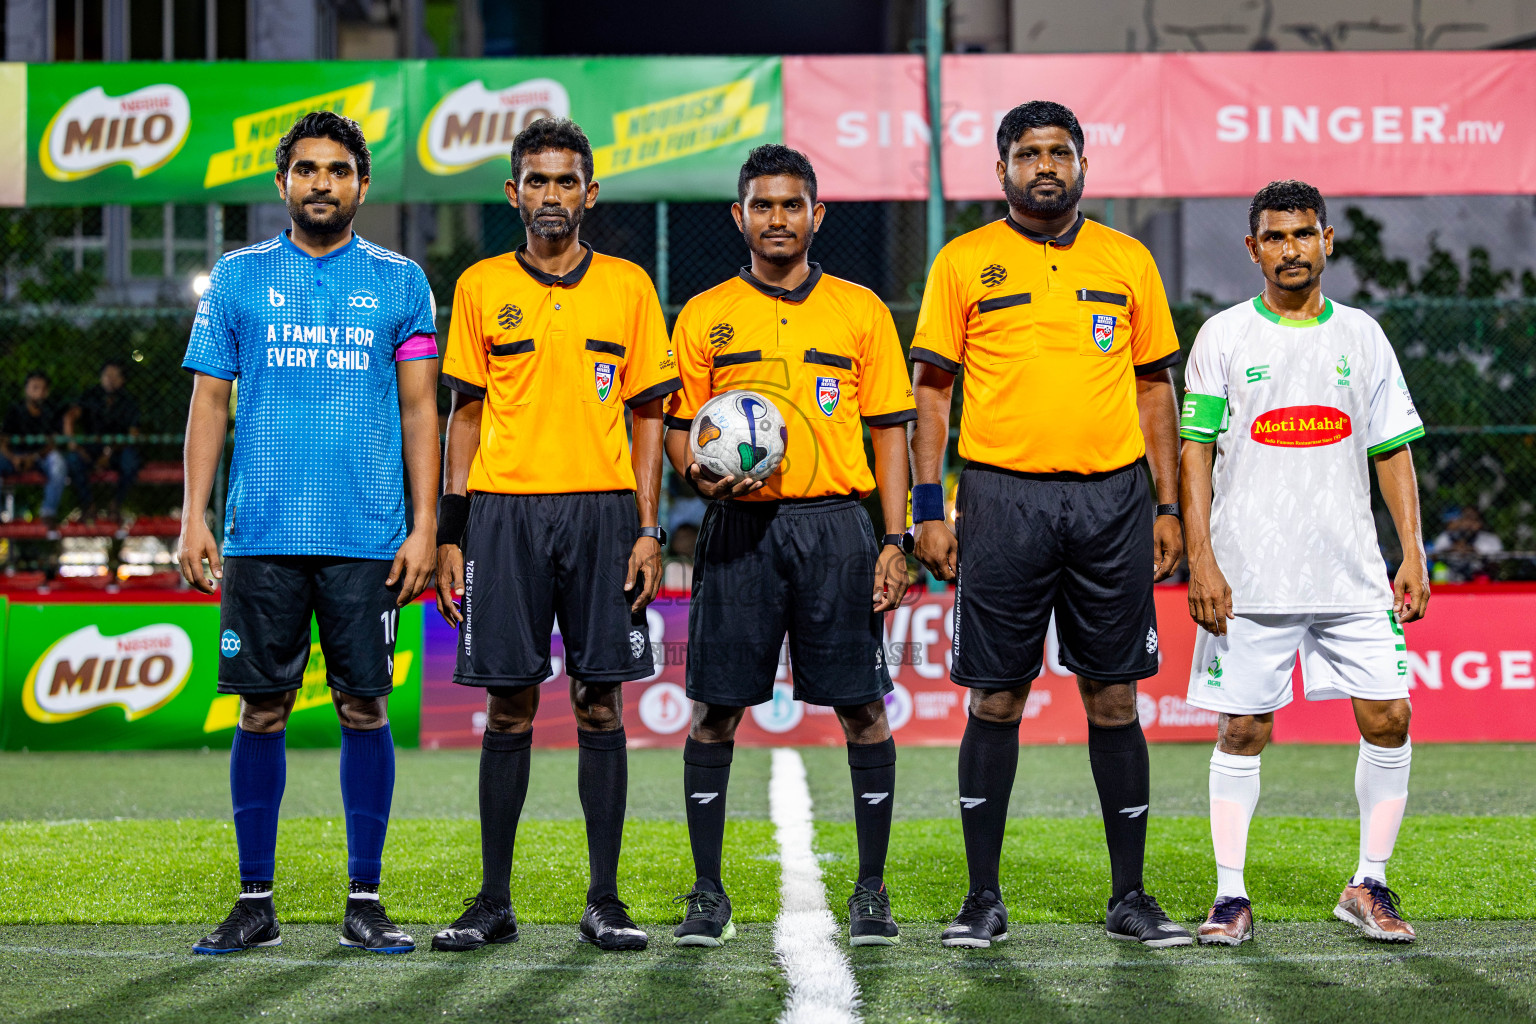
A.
pixel 452 518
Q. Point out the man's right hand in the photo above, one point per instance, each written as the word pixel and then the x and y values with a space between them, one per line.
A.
pixel 937 549
pixel 1210 599
pixel 716 487
pixel 450 583
pixel 195 546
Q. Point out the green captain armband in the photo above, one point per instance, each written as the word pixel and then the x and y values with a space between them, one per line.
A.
pixel 1202 417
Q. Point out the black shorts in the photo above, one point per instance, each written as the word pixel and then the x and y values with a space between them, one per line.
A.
pixel 264 614
pixel 529 558
pixel 1080 546
pixel 805 567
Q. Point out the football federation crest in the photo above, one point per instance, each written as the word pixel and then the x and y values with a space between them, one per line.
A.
pixel 603 378
pixel 1103 331
pixel 509 317
pixel 994 275
pixel 720 335
pixel 828 392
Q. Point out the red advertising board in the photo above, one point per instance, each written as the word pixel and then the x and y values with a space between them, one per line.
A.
pixel 1406 123
pixel 1472 669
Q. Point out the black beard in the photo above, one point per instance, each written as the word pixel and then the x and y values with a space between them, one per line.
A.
pixel 778 259
pixel 330 227
pixel 1023 199
pixel 548 231
pixel 1299 286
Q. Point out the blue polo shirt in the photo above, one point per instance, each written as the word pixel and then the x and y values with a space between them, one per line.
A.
pixel 313 343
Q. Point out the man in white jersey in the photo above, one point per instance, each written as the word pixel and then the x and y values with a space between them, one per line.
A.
pixel 1297 394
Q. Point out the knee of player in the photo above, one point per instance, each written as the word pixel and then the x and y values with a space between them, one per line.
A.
pixel 598 708
pixel 999 706
pixel 265 715
pixel 864 723
pixel 363 714
pixel 1244 735
pixel 1387 725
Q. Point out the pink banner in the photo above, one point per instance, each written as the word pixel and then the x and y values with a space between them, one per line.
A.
pixel 1472 668
pixel 1180 124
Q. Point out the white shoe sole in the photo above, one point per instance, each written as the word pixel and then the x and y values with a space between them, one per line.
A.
pixel 1177 940
pixel 874 940
pixel 728 932
pixel 964 943
pixel 1224 940
pixel 1369 930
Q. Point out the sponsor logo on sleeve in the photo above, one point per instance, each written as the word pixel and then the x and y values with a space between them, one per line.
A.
pixel 84 671
pixel 1301 426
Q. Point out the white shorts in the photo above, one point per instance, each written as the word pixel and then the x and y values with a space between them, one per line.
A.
pixel 1348 654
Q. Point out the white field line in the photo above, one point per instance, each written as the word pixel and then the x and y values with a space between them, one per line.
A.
pixel 805 936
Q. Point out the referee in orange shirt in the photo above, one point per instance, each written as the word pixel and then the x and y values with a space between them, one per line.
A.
pixel 1062 329
pixel 547 348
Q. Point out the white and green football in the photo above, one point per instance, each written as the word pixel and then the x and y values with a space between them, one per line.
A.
pixel 739 433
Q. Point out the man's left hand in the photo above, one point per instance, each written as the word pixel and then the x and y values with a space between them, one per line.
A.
pixel 1410 590
pixel 644 557
pixel 1167 546
pixel 415 563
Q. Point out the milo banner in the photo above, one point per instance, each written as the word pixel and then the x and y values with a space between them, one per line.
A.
pixel 671 128
pixel 127 676
pixel 441 130
pixel 194 133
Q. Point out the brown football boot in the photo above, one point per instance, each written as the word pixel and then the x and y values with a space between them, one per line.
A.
pixel 1372 907
pixel 1230 923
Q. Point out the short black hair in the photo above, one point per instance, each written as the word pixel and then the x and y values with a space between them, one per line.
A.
pixel 1036 114
pixel 113 362
pixel 326 124
pixel 552 133
pixel 771 160
pixel 1290 195
pixel 38 374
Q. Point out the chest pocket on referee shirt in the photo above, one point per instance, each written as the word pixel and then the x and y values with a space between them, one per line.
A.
pixel 512 369
pixel 830 386
pixel 1003 329
pixel 602 382
pixel 1103 322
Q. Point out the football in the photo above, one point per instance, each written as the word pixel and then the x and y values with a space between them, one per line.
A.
pixel 739 433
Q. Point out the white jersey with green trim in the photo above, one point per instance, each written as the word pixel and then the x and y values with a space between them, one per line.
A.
pixel 1296 408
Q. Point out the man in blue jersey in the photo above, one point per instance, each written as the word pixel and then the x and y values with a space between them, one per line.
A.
pixel 333 341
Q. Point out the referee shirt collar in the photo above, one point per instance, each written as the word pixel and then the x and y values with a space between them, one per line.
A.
pixel 569 279
pixel 1065 238
pixel 798 294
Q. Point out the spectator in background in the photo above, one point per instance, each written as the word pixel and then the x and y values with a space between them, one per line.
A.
pixel 106 409
pixel 677 566
pixel 1466 549
pixel 35 415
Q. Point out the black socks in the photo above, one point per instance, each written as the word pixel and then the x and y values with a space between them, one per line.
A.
pixel 989 757
pixel 873 767
pixel 602 780
pixel 706 775
pixel 504 760
pixel 1120 771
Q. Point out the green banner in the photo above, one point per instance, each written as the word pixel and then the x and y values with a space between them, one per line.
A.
pixel 195 133
pixel 144 676
pixel 438 131
pixel 672 128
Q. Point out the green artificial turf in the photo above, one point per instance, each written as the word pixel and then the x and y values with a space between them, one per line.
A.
pixel 1056 870
pixel 153 872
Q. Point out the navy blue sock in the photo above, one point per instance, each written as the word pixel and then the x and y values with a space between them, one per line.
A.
pixel 367 786
pixel 258 771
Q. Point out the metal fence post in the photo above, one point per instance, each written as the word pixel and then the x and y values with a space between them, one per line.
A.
pixel 663 256
pixel 934 51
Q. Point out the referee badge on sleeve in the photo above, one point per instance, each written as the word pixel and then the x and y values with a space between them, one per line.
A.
pixel 603 378
pixel 1103 331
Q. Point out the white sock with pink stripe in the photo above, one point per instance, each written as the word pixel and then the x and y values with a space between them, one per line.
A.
pixel 1234 795
pixel 1381 786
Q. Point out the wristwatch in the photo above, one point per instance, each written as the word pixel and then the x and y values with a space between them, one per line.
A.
pixel 656 532
pixel 1169 510
pixel 900 540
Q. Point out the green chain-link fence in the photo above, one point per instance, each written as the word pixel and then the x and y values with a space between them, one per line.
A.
pixel 1469 360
